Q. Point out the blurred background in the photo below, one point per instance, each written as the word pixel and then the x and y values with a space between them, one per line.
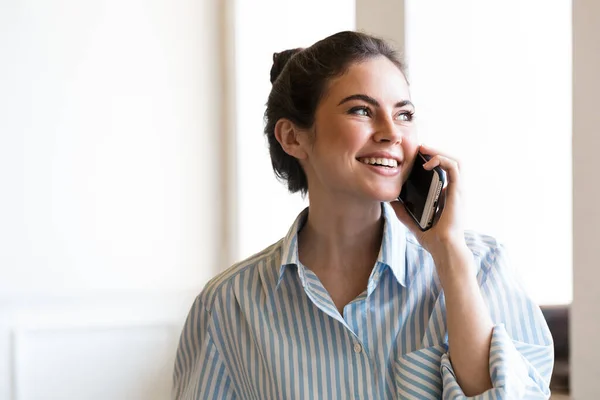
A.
pixel 133 167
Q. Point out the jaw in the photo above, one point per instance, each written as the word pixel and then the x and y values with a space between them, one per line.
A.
pixel 361 181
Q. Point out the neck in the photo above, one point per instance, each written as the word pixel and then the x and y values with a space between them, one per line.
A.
pixel 343 237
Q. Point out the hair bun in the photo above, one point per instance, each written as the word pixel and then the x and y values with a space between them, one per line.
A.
pixel 280 60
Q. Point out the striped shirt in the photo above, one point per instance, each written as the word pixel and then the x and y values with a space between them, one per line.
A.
pixel 267 329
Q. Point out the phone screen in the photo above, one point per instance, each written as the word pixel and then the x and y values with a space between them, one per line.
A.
pixel 416 188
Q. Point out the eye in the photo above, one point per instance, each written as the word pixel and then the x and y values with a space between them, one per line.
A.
pixel 405 116
pixel 362 111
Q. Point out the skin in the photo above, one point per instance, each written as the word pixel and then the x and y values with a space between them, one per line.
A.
pixel 342 236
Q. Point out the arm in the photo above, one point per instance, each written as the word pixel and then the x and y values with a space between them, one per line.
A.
pixel 467 319
pixel 520 357
pixel 485 358
pixel 200 372
pixel 468 322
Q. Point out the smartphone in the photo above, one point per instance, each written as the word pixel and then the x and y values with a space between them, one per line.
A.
pixel 421 192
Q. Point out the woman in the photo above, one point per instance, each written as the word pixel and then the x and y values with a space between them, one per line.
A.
pixel 356 302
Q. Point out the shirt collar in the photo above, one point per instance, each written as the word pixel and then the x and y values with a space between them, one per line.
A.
pixel 393 245
pixel 392 252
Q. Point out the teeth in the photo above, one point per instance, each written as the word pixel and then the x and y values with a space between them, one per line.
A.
pixel 388 162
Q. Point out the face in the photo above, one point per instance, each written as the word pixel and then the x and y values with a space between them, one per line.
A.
pixel 363 142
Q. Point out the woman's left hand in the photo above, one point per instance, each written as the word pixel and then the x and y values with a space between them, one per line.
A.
pixel 447 232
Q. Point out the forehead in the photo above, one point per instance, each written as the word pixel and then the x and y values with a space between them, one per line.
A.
pixel 377 77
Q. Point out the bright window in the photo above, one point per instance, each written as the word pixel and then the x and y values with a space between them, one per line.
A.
pixel 492 85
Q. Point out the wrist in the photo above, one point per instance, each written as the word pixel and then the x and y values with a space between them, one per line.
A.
pixel 449 248
pixel 454 262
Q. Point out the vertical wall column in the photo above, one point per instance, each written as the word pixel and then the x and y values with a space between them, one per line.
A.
pixel 585 320
pixel 384 18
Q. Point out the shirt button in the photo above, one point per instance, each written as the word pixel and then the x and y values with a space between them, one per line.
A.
pixel 357 348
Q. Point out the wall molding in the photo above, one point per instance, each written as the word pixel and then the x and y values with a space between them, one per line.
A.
pixel 131 323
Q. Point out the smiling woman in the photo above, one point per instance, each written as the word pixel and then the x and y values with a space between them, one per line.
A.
pixel 355 301
pixel 366 105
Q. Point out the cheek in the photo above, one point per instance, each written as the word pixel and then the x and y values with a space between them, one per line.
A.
pixel 345 137
pixel 410 146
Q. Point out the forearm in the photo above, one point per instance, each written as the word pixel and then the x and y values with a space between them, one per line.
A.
pixel 468 321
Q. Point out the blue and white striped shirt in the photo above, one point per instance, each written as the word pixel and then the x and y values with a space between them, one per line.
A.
pixel 267 329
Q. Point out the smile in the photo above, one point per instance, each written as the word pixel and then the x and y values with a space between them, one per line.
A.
pixel 385 162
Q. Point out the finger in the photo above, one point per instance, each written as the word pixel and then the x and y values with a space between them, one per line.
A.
pixel 430 151
pixel 446 163
pixel 452 192
pixel 449 165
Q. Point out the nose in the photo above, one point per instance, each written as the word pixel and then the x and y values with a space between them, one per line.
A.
pixel 388 132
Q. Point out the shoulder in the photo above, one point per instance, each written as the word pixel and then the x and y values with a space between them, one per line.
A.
pixel 482 245
pixel 222 285
pixel 488 251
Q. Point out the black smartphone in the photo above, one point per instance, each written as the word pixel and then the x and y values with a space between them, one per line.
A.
pixel 420 193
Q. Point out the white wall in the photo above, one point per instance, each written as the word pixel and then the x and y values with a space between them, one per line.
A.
pixel 110 156
pixel 585 317
pixel 109 145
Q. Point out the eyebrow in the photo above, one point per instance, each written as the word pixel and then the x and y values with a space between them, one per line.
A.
pixel 373 102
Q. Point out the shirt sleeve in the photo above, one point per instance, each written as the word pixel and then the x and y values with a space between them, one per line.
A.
pixel 200 372
pixel 521 351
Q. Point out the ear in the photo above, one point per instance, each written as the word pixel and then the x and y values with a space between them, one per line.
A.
pixel 292 139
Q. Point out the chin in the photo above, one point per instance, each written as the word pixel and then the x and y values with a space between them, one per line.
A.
pixel 385 195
